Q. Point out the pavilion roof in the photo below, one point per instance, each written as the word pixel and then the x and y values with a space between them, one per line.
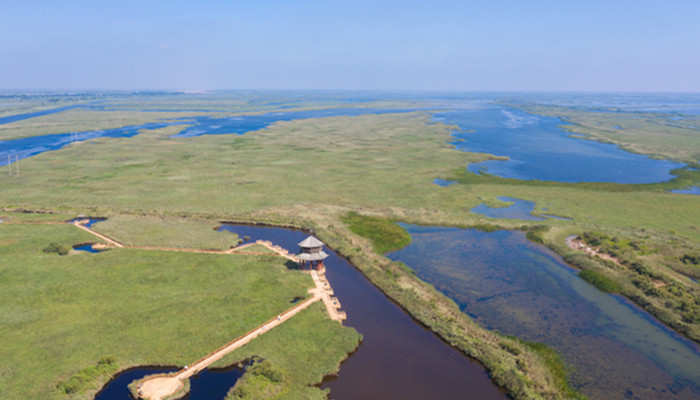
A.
pixel 311 242
pixel 321 255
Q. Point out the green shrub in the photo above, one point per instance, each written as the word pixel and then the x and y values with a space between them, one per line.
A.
pixel 56 248
pixel 691 259
pixel 84 378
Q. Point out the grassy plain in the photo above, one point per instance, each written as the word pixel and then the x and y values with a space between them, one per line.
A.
pixel 312 173
pixel 62 314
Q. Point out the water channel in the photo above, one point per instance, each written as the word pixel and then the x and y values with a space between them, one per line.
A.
pixel 398 358
pixel 516 287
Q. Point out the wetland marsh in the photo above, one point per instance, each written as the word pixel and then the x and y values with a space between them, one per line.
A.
pixel 395 160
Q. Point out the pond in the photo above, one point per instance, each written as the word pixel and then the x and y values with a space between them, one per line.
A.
pixel 518 288
pixel 540 150
pixel 210 384
pixel 691 190
pixel 398 358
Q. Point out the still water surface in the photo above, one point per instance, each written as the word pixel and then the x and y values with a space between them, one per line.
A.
pixel 210 384
pixel 509 284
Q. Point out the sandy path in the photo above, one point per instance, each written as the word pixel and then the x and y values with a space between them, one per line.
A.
pixel 99 235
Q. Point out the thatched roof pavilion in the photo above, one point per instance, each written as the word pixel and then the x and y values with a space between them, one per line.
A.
pixel 311 253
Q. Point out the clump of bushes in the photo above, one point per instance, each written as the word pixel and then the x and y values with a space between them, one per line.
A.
pixel 55 248
pixel 691 259
pixel 84 378
pixel 613 245
pixel 262 380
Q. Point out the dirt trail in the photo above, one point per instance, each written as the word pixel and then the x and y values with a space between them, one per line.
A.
pixel 577 244
pixel 99 235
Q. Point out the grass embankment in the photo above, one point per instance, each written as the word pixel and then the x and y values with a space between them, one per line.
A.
pixel 61 315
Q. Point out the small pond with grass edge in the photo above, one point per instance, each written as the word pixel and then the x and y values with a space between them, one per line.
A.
pixel 514 286
pixel 210 384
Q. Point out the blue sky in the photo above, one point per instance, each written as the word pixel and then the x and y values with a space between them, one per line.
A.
pixel 498 45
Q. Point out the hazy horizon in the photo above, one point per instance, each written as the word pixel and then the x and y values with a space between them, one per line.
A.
pixel 386 45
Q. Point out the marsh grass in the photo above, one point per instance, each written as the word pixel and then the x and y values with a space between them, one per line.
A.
pixel 166 232
pixel 386 235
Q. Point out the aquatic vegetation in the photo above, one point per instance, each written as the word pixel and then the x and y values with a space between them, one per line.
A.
pixel 385 235
pixel 600 281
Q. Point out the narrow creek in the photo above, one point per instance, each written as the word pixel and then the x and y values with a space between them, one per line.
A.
pixel 509 284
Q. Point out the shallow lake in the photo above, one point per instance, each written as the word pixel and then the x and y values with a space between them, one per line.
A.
pixel 518 288
pixel 398 358
pixel 539 149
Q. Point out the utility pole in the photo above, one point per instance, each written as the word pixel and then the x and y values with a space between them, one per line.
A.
pixel 17 157
pixel 9 164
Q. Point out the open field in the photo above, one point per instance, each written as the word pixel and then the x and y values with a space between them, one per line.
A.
pixel 167 232
pixel 62 314
pixel 312 173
